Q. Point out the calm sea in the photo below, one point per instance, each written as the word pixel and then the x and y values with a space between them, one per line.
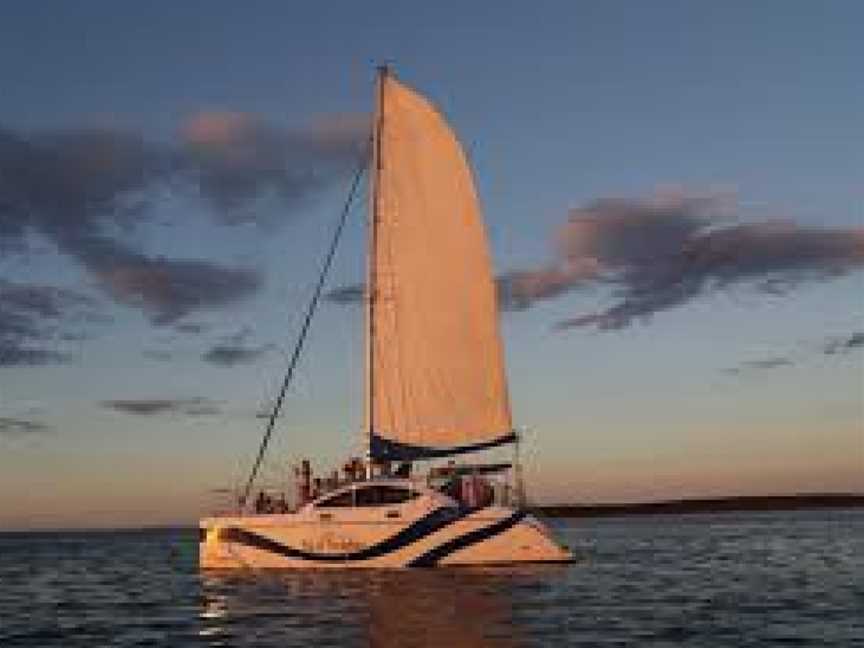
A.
pixel 734 579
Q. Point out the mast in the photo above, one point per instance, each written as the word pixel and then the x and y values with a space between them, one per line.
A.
pixel 371 261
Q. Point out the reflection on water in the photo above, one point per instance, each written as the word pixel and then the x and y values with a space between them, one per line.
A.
pixel 463 607
pixel 755 579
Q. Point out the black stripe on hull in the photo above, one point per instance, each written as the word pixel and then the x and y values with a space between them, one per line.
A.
pixel 416 531
pixel 434 556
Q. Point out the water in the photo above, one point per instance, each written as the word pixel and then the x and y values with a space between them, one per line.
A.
pixel 748 579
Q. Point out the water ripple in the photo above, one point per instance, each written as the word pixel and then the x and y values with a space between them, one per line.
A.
pixel 754 579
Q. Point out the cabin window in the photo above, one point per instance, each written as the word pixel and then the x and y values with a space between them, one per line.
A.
pixel 383 495
pixel 377 495
pixel 342 499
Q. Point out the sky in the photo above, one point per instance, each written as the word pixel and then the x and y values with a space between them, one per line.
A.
pixel 673 193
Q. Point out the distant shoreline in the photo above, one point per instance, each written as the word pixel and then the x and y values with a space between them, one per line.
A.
pixel 705 505
pixel 666 507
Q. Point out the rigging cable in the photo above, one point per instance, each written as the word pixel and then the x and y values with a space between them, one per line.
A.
pixel 301 339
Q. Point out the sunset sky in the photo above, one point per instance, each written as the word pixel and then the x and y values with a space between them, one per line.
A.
pixel 673 191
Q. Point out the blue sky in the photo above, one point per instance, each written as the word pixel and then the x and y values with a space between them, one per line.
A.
pixel 739 113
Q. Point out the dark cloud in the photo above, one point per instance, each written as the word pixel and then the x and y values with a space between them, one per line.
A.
pixel 234 350
pixel 36 319
pixel 15 428
pixel 87 190
pixel 344 295
pixel 775 258
pixel 855 340
pixel 204 409
pixel 761 364
pixel 192 328
pixel 14 355
pixel 236 158
pixel 64 183
pixel 519 289
pixel 228 356
pixel 150 407
pixel 662 253
pixel 836 346
pixel 167 290
pixel 81 190
pixel 619 233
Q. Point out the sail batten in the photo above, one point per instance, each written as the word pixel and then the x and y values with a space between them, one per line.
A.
pixel 436 379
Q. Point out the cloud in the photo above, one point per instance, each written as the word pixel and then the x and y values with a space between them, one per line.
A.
pixel 663 252
pixel 233 350
pixel 192 328
pixel 519 289
pixel 836 346
pixel 760 365
pixel 36 319
pixel 236 158
pixel 86 191
pixel 81 190
pixel 15 428
pixel 60 183
pixel 151 407
pixel 345 295
pixel 832 346
pixel 167 290
pixel 203 409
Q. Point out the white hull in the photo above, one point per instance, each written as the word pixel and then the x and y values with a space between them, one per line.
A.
pixel 422 533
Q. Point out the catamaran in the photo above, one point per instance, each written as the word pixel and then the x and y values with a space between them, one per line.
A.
pixel 436 387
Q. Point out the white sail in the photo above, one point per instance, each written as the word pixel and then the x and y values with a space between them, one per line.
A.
pixel 437 379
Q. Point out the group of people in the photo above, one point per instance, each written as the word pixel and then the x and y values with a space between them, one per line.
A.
pixel 265 503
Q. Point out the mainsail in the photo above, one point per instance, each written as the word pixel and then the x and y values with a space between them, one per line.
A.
pixel 436 383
